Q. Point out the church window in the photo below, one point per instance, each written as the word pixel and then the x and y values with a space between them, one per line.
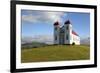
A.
pixel 56 28
pixel 55 37
pixel 67 36
pixel 67 27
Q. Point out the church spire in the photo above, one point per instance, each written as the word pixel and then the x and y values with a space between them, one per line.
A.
pixel 56 23
pixel 67 22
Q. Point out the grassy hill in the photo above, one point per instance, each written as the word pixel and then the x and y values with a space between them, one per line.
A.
pixel 55 53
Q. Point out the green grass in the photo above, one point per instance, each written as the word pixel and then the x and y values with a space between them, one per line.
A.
pixel 55 53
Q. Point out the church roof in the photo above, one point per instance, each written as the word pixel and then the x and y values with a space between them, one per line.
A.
pixel 56 23
pixel 67 22
pixel 73 32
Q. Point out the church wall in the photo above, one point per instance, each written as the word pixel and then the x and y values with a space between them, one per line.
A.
pixel 67 33
pixel 76 39
pixel 56 34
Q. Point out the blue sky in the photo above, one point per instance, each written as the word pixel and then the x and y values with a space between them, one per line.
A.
pixel 41 22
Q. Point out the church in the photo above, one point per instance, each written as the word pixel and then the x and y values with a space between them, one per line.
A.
pixel 65 34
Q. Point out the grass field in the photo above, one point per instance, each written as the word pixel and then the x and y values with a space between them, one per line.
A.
pixel 55 53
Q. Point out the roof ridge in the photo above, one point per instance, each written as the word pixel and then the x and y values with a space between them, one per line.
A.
pixel 73 32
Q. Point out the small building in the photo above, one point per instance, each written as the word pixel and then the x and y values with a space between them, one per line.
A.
pixel 65 34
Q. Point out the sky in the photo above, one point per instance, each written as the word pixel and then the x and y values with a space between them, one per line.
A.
pixel 40 23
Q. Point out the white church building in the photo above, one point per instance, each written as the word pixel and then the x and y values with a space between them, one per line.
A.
pixel 65 34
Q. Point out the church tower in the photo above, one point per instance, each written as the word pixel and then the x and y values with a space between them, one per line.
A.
pixel 68 34
pixel 56 32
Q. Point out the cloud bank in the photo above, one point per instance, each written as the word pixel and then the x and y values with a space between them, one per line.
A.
pixel 42 16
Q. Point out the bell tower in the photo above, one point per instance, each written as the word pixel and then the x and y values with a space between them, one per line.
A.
pixel 68 32
pixel 56 32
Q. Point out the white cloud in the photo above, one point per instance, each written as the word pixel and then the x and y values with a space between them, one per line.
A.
pixel 37 16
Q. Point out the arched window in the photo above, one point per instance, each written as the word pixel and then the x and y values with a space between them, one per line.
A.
pixel 55 37
pixel 66 36
pixel 55 28
pixel 67 27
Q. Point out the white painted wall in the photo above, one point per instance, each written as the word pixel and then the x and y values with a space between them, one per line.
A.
pixel 76 39
pixel 67 41
pixel 70 34
pixel 56 33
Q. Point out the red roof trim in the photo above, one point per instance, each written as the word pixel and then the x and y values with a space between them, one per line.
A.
pixel 73 32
